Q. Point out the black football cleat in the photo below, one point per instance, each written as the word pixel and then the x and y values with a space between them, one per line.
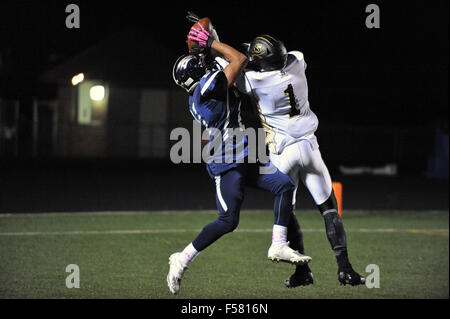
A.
pixel 347 276
pixel 302 277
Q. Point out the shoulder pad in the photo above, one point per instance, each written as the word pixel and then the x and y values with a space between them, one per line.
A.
pixel 298 55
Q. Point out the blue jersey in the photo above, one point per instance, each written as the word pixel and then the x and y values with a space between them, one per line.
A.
pixel 218 109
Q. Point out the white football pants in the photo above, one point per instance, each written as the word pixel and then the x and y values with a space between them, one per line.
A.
pixel 303 161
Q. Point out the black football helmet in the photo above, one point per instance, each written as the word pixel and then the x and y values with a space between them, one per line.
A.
pixel 188 70
pixel 267 53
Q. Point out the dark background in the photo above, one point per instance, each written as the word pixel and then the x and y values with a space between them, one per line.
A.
pixel 392 79
pixel 402 67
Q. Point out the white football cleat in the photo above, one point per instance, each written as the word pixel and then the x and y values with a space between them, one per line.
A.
pixel 282 252
pixel 176 273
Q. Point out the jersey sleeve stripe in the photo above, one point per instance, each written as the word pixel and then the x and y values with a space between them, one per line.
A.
pixel 208 83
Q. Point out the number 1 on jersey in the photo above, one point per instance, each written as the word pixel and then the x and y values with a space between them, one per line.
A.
pixel 292 100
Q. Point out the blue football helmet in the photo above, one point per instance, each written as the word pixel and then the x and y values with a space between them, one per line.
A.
pixel 188 70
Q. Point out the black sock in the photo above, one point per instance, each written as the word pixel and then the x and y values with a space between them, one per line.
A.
pixel 342 260
pixel 335 230
pixel 300 269
pixel 295 235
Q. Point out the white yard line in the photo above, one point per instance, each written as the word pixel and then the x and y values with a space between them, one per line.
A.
pixel 111 213
pixel 244 230
pixel 177 212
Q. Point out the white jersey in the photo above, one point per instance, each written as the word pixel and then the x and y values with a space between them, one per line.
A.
pixel 282 100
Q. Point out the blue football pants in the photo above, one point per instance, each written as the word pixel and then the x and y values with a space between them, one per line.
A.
pixel 230 195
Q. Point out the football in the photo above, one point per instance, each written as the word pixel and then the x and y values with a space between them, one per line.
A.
pixel 206 23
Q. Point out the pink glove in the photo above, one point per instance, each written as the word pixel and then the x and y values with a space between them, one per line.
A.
pixel 202 36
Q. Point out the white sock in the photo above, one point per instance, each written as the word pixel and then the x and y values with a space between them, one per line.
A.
pixel 279 234
pixel 188 255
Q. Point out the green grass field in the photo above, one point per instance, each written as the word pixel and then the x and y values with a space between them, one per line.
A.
pixel 125 255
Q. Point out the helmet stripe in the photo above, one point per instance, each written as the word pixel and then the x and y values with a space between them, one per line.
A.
pixel 270 37
pixel 263 38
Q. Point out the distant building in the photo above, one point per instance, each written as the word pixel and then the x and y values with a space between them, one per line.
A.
pixel 115 99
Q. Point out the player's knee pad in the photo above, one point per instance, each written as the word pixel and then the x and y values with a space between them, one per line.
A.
pixel 229 222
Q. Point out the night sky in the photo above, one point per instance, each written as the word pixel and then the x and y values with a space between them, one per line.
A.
pixel 396 75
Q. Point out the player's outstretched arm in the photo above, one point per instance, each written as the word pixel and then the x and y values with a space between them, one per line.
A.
pixel 237 60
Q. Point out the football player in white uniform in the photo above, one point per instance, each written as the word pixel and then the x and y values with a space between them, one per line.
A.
pixel 276 81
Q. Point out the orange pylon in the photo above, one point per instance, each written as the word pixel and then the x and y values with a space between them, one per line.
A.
pixel 337 187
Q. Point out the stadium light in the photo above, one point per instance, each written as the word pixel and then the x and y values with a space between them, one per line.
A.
pixel 97 93
pixel 77 79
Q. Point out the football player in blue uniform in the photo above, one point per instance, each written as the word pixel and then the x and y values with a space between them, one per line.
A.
pixel 215 102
